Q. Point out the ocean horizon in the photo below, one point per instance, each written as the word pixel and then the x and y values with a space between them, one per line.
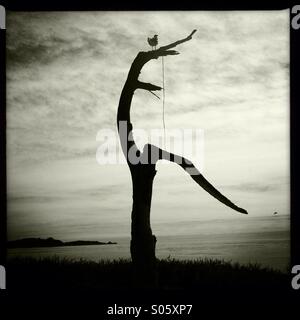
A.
pixel 258 240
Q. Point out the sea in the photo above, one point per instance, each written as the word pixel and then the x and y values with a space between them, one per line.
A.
pixel 257 240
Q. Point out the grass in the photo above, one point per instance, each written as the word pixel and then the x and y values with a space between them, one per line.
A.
pixel 208 274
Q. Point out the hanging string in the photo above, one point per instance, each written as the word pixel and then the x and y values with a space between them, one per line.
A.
pixel 164 97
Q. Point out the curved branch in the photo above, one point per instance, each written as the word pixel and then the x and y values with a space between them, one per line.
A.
pixel 153 154
pixel 208 187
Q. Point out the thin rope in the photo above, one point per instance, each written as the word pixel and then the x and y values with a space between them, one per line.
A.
pixel 164 98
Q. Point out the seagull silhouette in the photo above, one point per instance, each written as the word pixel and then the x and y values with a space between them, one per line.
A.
pixel 153 41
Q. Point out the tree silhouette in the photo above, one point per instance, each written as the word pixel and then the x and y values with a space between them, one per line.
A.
pixel 142 246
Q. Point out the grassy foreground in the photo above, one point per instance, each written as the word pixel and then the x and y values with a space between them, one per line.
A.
pixel 53 273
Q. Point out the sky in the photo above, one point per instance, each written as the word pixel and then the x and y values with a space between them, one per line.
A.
pixel 65 73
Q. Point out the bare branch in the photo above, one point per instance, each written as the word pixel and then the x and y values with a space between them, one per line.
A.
pixel 208 187
pixel 176 43
pixel 147 86
pixel 154 154
pixel 155 95
pixel 164 53
pixel 143 57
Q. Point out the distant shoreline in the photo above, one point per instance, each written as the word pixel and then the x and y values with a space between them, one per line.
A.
pixel 51 242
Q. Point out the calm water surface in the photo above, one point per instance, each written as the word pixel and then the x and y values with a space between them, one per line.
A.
pixel 263 240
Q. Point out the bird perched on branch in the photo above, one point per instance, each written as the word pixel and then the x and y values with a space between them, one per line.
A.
pixel 153 41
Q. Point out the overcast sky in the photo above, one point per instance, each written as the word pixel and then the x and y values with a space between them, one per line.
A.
pixel 65 73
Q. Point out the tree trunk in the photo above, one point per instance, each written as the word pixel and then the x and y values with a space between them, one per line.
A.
pixel 142 246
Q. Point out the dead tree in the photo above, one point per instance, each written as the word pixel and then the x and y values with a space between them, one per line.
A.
pixel 142 246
